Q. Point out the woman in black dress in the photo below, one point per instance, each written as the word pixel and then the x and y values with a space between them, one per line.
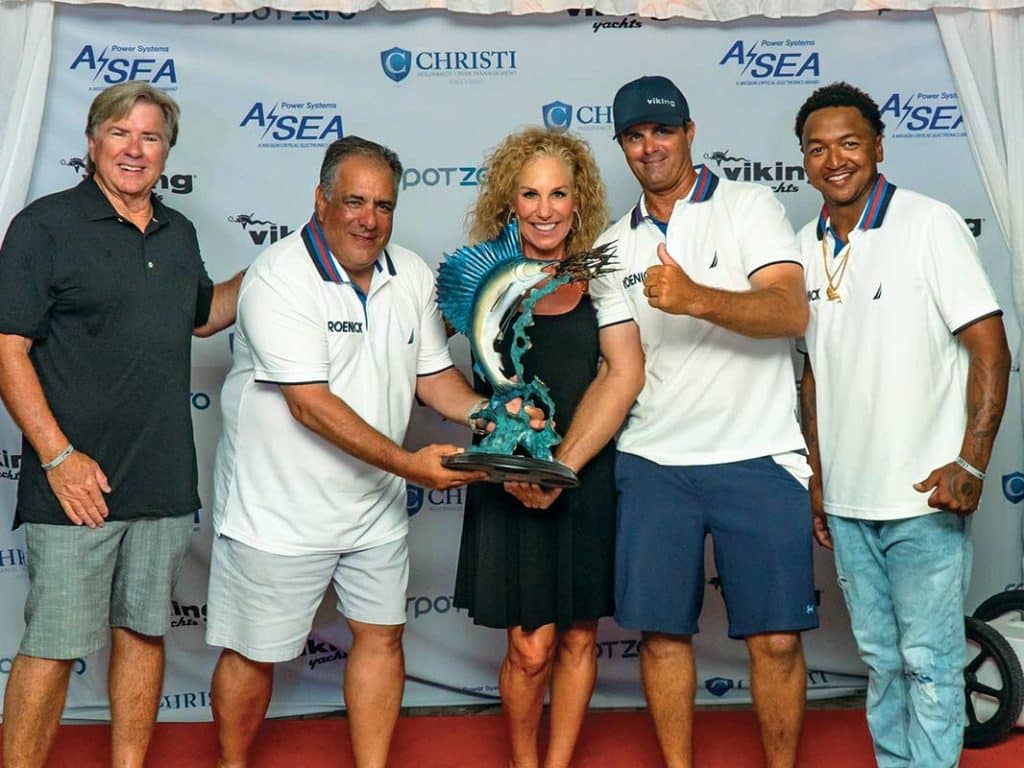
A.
pixel 546 576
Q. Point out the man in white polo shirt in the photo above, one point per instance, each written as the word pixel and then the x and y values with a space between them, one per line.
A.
pixel 338 331
pixel 902 394
pixel 696 326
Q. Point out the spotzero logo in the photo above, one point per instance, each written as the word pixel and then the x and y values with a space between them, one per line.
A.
pixel 113 64
pixel 458 65
pixel 923 115
pixel 294 124
pixel 444 176
pixel 773 62
pixel 561 116
pixel 272 14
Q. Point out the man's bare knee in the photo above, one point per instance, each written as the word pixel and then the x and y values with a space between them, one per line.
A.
pixel 658 647
pixel 775 647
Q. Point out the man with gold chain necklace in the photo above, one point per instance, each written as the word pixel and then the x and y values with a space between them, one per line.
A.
pixel 902 393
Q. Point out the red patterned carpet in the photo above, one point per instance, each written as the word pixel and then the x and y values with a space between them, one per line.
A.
pixel 832 739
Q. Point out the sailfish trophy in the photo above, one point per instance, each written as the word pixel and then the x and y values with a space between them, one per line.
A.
pixel 484 292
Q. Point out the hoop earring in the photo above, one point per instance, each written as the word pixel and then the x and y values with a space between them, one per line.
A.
pixel 577 222
pixel 510 217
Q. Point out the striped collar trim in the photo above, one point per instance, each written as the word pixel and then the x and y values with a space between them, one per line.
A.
pixel 327 267
pixel 703 190
pixel 874 210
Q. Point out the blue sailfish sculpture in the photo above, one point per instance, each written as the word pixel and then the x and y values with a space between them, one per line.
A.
pixel 480 288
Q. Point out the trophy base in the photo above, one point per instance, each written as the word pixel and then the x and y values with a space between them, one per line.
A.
pixel 501 468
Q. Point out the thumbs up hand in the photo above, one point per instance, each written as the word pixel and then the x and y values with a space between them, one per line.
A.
pixel 668 288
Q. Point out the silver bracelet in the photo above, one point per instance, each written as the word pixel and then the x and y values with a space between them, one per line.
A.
pixel 59 458
pixel 471 422
pixel 969 468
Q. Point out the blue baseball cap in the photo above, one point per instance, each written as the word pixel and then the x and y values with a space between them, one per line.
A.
pixel 649 99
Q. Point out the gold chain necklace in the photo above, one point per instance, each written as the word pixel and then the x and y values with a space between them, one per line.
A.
pixel 835 277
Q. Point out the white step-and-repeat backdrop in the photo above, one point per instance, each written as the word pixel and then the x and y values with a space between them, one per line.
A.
pixel 263 93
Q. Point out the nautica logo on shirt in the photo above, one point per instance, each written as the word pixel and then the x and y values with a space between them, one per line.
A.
pixel 344 326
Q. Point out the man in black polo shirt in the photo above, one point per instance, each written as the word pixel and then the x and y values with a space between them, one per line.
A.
pixel 101 290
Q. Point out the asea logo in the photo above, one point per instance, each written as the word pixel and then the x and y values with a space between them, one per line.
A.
pixel 923 114
pixel 773 62
pixel 294 124
pixel 113 64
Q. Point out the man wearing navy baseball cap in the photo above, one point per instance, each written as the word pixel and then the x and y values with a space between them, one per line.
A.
pixel 696 328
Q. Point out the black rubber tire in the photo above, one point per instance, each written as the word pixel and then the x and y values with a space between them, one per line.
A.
pixel 1010 601
pixel 1010 697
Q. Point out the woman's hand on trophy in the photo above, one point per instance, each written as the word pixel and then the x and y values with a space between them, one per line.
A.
pixel 533 496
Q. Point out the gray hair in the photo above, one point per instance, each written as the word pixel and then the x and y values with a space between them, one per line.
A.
pixel 117 102
pixel 356 145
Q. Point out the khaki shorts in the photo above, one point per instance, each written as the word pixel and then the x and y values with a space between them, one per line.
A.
pixel 83 581
pixel 262 604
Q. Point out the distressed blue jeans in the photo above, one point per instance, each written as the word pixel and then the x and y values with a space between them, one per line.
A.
pixel 904 583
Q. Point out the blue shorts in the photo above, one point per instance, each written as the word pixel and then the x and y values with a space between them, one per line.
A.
pixel 759 518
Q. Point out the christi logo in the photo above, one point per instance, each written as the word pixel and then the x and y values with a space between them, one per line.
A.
pixel 396 63
pixel 557 115
pixel 260 231
pixel 1013 487
pixel 719 686
pixel 413 499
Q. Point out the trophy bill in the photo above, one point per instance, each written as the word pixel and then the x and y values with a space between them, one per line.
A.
pixel 501 468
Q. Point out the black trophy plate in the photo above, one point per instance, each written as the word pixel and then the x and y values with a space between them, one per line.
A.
pixel 524 469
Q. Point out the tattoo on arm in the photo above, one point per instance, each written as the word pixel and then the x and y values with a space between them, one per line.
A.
pixel 986 397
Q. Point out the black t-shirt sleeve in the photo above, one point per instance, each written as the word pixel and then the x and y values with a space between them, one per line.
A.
pixel 204 291
pixel 26 278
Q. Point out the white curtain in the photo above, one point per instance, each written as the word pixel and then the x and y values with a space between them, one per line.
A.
pixel 25 39
pixel 706 10
pixel 986 56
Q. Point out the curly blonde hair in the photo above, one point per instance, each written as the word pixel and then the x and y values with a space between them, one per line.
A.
pixel 498 189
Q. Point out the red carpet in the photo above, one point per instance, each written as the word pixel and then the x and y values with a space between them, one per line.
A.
pixel 832 739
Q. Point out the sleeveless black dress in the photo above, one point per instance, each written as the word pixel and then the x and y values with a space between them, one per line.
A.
pixel 523 567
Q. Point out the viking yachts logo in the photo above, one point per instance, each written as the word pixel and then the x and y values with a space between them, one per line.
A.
pixel 293 124
pixel 10 465
pixel 629 21
pixel 561 116
pixel 183 615
pixel 459 65
pixel 774 62
pixel 272 14
pixel 175 183
pixel 924 114
pixel 260 231
pixel 779 176
pixel 318 652
pixel 114 64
